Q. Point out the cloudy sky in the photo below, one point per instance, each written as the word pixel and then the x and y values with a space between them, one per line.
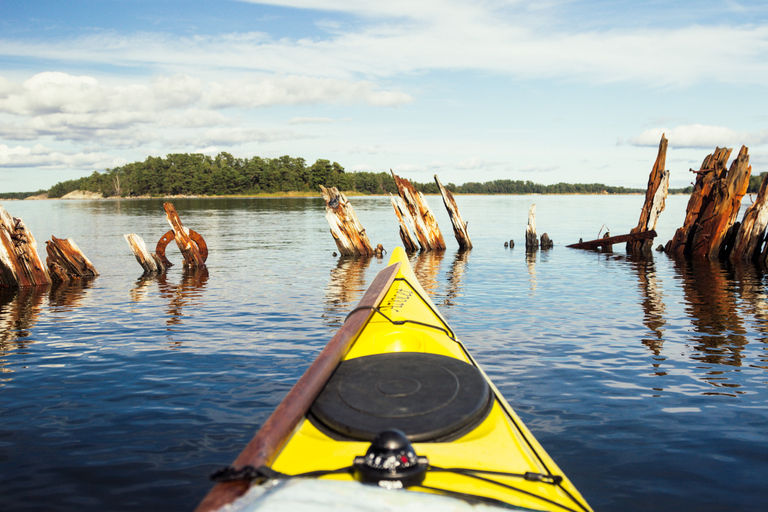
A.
pixel 541 90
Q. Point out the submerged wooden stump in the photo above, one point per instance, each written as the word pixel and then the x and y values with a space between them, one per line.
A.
pixel 608 240
pixel 150 262
pixel 424 223
pixel 751 233
pixel 20 265
pixel 347 231
pixel 194 255
pixel 459 226
pixel 66 261
pixel 531 240
pixel 404 219
pixel 713 206
pixel 655 199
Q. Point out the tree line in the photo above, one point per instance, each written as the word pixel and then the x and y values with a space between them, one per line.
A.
pixel 197 174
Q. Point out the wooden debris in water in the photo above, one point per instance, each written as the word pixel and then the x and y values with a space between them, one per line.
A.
pixel 194 255
pixel 531 240
pixel 346 229
pixel 410 242
pixel 20 265
pixel 608 240
pixel 713 206
pixel 66 261
pixel 751 233
pixel 655 198
pixel 546 242
pixel 426 228
pixel 150 262
pixel 459 226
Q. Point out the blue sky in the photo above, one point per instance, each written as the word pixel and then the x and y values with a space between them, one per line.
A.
pixel 541 90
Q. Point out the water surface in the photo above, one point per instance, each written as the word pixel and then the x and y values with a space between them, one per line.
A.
pixel 645 379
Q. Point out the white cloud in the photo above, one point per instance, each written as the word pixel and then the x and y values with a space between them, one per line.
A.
pixel 475 163
pixel 310 120
pixel 40 156
pixel 700 136
pixel 299 90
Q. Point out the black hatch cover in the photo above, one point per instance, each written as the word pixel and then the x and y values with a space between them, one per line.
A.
pixel 430 397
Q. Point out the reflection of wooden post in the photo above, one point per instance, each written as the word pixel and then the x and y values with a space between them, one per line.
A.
pixel 66 261
pixel 189 249
pixel 410 242
pixel 655 197
pixel 150 262
pixel 20 264
pixel 751 233
pixel 713 206
pixel 425 225
pixel 531 240
pixel 346 229
pixel 459 226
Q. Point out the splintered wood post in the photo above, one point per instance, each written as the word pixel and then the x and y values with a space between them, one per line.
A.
pixel 608 240
pixel 713 206
pixel 751 233
pixel 346 229
pixel 20 265
pixel 190 250
pixel 459 226
pixel 531 240
pixel 64 255
pixel 410 242
pixel 150 262
pixel 655 199
pixel 424 223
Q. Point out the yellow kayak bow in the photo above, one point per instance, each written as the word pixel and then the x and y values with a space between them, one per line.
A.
pixel 396 401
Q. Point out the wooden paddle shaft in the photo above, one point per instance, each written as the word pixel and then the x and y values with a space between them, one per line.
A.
pixel 270 439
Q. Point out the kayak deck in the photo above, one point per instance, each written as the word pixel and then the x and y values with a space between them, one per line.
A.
pixel 489 458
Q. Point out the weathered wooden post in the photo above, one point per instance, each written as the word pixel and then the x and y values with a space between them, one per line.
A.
pixel 150 262
pixel 655 198
pixel 410 242
pixel 66 261
pixel 346 229
pixel 193 256
pixel 751 233
pixel 426 228
pixel 20 265
pixel 459 226
pixel 531 240
pixel 713 206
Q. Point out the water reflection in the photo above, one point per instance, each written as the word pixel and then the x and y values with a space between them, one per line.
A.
pixel 66 297
pixel 530 261
pixel 455 276
pixel 652 303
pixel 345 287
pixel 19 310
pixel 185 293
pixel 426 267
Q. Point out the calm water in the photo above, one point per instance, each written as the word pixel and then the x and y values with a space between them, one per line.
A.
pixel 645 379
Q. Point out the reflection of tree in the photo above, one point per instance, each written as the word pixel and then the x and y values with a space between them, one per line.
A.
pixel 185 293
pixel 455 275
pixel 426 266
pixel 652 303
pixel 709 288
pixel 346 286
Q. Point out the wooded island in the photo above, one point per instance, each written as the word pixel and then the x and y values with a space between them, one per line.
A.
pixel 222 175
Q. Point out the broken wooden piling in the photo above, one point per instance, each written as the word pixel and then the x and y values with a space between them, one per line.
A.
pixel 459 226
pixel 607 241
pixel 713 206
pixel 66 262
pixel 405 221
pixel 150 262
pixel 346 229
pixel 531 240
pixel 193 253
pixel 20 265
pixel 751 233
pixel 655 199
pixel 425 226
